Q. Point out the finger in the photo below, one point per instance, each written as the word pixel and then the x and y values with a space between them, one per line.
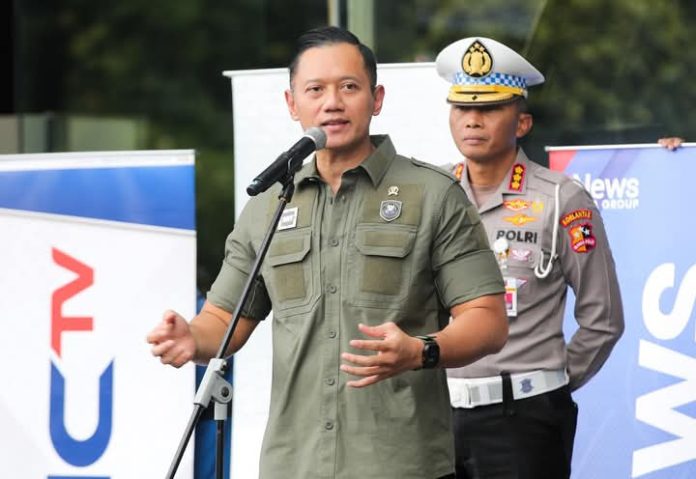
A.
pixel 361 383
pixel 360 360
pixel 379 331
pixel 160 333
pixel 160 349
pixel 169 357
pixel 361 371
pixel 368 344
pixel 182 358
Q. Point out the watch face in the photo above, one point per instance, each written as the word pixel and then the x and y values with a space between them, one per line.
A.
pixel 431 353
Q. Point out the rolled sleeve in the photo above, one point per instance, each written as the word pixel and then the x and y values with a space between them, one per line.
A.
pixel 464 264
pixel 228 287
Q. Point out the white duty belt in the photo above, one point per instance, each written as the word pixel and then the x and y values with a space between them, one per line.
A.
pixel 471 392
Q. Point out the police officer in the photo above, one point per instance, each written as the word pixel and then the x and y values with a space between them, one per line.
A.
pixel 374 254
pixel 513 412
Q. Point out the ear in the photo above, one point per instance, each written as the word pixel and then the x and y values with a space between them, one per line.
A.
pixel 524 124
pixel 290 101
pixel 378 96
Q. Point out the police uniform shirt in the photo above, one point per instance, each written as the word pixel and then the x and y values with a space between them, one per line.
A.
pixel 398 242
pixel 520 216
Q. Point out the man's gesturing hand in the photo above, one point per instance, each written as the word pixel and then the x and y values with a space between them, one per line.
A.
pixel 172 340
pixel 396 352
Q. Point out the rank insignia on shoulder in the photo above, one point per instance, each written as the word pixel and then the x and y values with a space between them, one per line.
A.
pixel 390 210
pixel 458 170
pixel 517 177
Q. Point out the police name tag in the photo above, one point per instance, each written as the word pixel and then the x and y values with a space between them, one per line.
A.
pixel 288 219
pixel 511 296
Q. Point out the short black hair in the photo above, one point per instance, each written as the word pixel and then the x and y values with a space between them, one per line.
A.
pixel 328 36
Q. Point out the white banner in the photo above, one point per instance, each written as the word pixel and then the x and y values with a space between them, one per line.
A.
pixel 90 257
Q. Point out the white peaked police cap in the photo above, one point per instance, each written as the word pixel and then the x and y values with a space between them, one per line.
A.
pixel 483 71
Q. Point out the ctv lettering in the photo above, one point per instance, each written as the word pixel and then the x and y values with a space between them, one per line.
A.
pixel 659 408
pixel 78 453
pixel 520 236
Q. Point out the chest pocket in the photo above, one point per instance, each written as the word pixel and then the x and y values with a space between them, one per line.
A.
pixel 288 272
pixel 381 267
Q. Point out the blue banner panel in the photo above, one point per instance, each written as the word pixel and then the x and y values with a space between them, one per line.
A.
pixel 141 194
pixel 638 415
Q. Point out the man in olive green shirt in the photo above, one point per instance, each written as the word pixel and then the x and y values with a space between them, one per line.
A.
pixel 374 250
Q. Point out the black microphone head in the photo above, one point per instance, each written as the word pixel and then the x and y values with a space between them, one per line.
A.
pixel 317 135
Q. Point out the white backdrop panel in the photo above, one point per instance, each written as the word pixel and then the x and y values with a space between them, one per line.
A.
pixel 415 115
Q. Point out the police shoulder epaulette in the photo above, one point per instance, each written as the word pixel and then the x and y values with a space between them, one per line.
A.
pixel 567 183
pixel 554 177
pixel 435 168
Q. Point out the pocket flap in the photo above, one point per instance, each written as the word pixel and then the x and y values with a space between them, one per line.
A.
pixel 385 241
pixel 288 249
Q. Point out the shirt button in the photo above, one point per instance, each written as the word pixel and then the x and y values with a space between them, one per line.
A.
pixel 333 242
pixel 332 288
pixel 328 425
pixel 331 381
pixel 332 334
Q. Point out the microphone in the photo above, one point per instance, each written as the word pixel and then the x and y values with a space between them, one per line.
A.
pixel 289 161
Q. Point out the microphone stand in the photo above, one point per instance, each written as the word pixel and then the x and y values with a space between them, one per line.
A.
pixel 213 385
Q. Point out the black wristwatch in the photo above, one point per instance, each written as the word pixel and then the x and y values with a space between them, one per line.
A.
pixel 431 352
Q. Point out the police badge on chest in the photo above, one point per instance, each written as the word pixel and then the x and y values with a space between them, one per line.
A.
pixel 389 210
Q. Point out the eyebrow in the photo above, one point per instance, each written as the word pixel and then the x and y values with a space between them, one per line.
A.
pixel 343 78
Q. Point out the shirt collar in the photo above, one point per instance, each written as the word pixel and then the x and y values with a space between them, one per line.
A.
pixel 375 165
pixel 514 183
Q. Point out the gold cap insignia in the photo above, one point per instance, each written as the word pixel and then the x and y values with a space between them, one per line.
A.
pixel 477 62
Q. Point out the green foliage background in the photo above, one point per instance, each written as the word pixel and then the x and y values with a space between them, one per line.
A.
pixel 618 71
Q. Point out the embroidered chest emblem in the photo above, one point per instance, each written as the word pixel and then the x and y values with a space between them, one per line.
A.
pixel 390 210
pixel 519 219
pixel 516 205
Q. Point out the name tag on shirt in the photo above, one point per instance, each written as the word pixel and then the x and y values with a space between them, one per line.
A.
pixel 288 219
pixel 511 296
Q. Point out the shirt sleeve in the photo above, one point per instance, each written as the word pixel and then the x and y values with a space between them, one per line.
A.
pixel 588 267
pixel 465 267
pixel 240 254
